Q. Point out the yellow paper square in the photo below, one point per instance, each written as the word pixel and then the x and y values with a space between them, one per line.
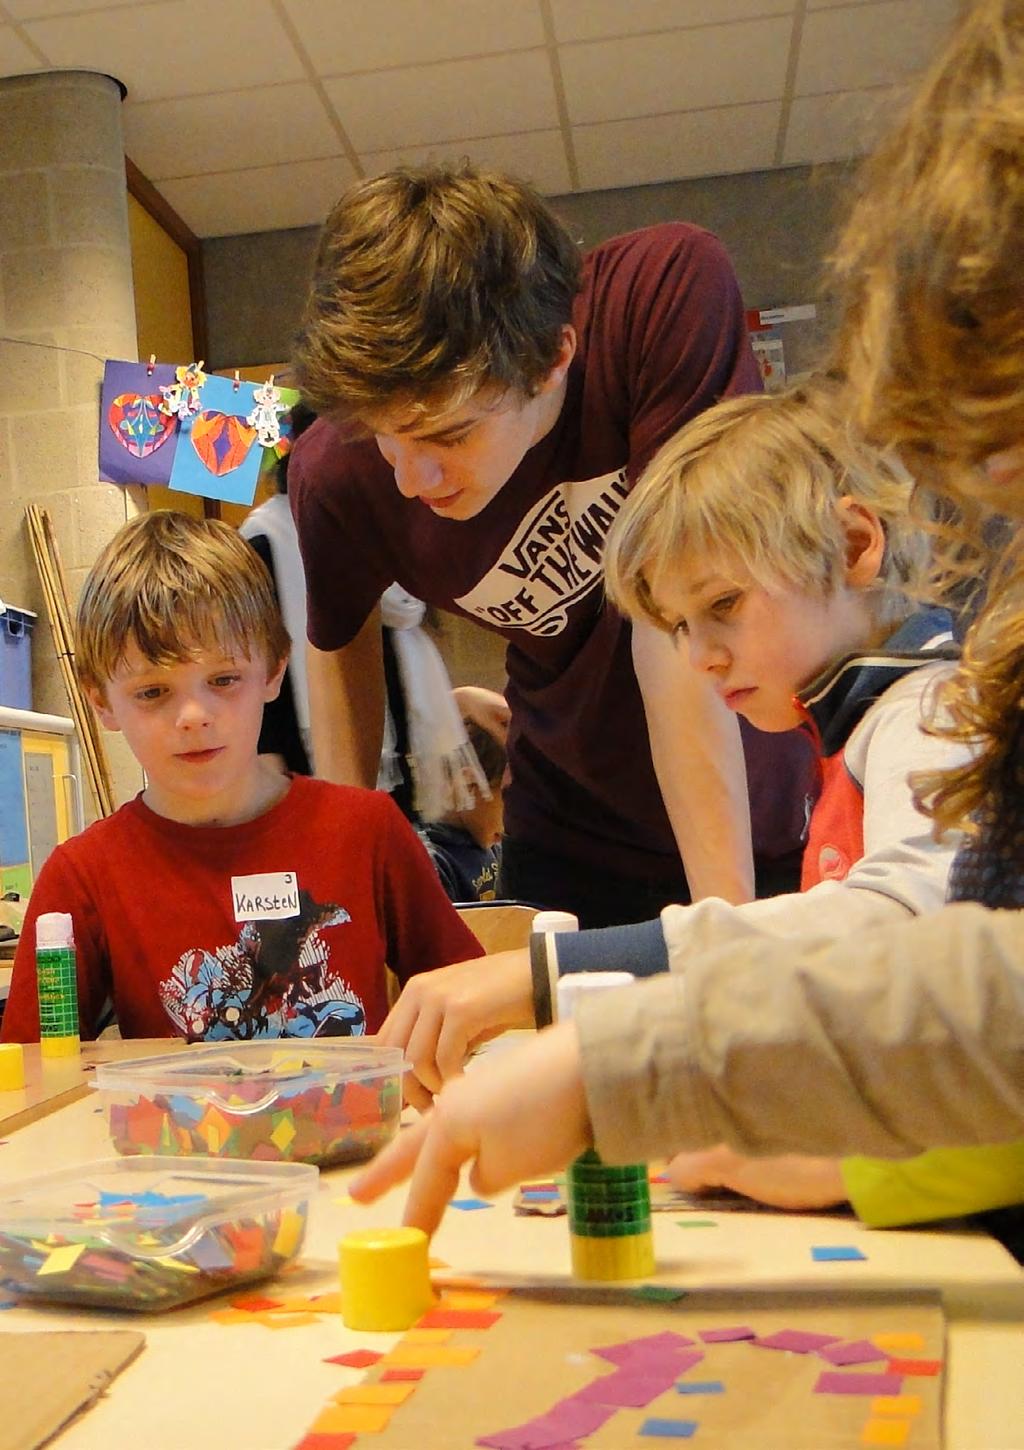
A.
pixel 352 1419
pixel 426 1336
pixel 326 1303
pixel 429 1356
pixel 885 1432
pixel 278 1320
pixel 902 1405
pixel 289 1233
pixel 470 1298
pixel 898 1341
pixel 300 1304
pixel 234 1316
pixel 388 1394
pixel 59 1261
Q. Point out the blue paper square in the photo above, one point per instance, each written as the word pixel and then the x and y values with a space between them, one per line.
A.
pixel 668 1429
pixel 468 1204
pixel 835 1254
pixel 700 1387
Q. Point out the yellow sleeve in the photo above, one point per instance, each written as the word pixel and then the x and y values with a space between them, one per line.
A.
pixel 942 1183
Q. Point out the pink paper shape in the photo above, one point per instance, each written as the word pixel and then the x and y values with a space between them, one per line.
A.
pixel 650 1346
pixel 861 1351
pixel 834 1382
pixel 727 1336
pixel 796 1341
pixel 634 1388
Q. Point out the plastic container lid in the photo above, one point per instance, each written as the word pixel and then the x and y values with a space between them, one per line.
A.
pixel 54 931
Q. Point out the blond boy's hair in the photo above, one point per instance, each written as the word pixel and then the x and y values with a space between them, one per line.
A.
pixel 173 585
pixel 760 478
pixel 430 283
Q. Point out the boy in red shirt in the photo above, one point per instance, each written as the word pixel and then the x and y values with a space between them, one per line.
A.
pixel 226 900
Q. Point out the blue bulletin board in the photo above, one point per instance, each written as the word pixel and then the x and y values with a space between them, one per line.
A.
pixel 13 822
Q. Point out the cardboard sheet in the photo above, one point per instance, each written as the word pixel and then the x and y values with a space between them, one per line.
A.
pixel 46 1379
pixel 537 1358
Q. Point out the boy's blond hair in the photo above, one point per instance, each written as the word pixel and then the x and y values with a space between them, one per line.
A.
pixel 429 284
pixel 173 585
pixel 760 478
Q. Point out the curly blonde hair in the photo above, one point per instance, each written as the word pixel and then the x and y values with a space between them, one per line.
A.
pixel 930 270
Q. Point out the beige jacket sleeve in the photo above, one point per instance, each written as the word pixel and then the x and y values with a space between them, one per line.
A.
pixel 894 1041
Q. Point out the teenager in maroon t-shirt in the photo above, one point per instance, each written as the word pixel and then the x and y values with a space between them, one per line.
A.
pixel 513 394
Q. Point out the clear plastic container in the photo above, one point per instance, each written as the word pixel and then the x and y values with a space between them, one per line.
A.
pixel 273 1101
pixel 143 1234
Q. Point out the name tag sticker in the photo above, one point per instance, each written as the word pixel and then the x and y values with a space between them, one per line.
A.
pixel 269 896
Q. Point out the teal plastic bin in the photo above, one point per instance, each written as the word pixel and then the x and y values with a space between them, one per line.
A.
pixel 16 626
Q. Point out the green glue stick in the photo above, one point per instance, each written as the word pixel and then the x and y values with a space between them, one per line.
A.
pixel 57 984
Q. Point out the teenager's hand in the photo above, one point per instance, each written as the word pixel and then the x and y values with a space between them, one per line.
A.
pixel 442 1015
pixel 485 707
pixel 791 1181
pixel 515 1116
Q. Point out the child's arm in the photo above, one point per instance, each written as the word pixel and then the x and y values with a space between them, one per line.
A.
pixel 58 888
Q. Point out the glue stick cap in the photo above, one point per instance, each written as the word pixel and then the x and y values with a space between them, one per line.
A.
pixel 54 931
pixel 575 985
pixel 555 921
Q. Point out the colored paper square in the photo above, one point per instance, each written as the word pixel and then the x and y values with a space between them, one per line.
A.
pixel 659 1293
pixel 458 1319
pixel 355 1358
pixel 905 1405
pixel 316 1441
pixel 471 1298
pixel 632 1351
pixel 796 1341
pixel 356 1419
pixel 860 1351
pixel 727 1336
pixel 430 1356
pixel 835 1382
pixel 914 1366
pixel 668 1429
pixel 394 1375
pixel 836 1253
pixel 631 1388
pixel 899 1341
pixel 885 1432
pixel 286 1321
pixel 255 1303
pixel 469 1204
pixel 60 1260
pixel 696 1223
pixel 426 1336
pixel 376 1394
pixel 701 1387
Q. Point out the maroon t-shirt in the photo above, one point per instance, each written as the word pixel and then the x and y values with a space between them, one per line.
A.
pixel 661 336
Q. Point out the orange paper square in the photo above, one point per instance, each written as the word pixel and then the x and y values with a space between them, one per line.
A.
pixel 376 1394
pixel 914 1366
pixel 885 1432
pixel 426 1336
pixel 897 1342
pixel 429 1356
pixel 359 1419
pixel 470 1298
pixel 902 1405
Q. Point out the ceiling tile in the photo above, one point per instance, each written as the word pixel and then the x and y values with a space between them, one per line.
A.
pixel 185 48
pixel 537 156
pixel 869 45
pixel 597 19
pixel 411 32
pixel 15 56
pixel 422 105
pixel 689 70
pixel 268 198
pixel 200 134
pixel 667 148
pixel 835 127
pixel 38 9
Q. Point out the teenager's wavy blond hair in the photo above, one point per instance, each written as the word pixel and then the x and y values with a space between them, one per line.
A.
pixel 429 284
pixel 174 585
pixel 930 271
pixel 760 478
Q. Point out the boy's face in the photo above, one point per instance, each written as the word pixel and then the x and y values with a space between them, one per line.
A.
pixel 455 462
pixel 193 726
pixel 760 646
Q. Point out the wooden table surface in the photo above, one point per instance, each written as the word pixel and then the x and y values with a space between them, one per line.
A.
pixel 52 1083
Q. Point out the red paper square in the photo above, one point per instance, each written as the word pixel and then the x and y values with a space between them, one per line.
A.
pixel 355 1359
pixel 914 1366
pixel 317 1440
pixel 402 1374
pixel 458 1319
pixel 255 1303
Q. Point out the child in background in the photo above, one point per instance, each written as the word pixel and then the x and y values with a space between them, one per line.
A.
pixel 226 900
pixel 462 845
pixel 909 1036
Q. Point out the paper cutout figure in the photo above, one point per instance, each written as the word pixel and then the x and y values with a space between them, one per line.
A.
pixel 129 395
pixel 265 416
pixel 181 398
pixel 138 423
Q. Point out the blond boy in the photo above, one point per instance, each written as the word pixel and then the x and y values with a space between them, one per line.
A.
pixel 226 899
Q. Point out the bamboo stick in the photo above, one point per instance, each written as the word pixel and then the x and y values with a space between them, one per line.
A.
pixel 51 578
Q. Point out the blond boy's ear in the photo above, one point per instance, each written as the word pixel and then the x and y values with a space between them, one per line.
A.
pixel 865 542
pixel 273 687
pixel 98 700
